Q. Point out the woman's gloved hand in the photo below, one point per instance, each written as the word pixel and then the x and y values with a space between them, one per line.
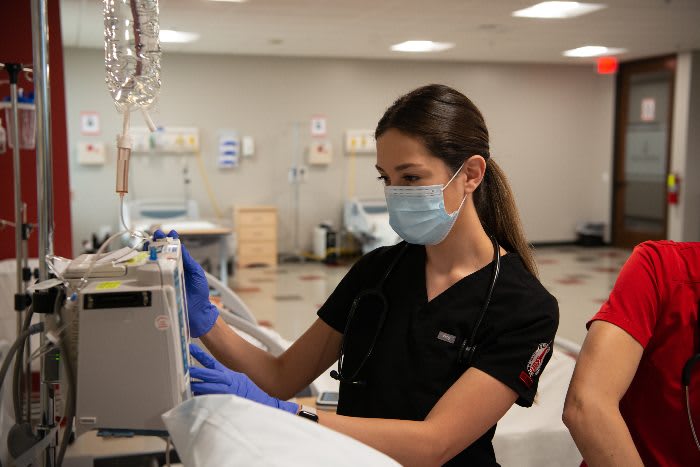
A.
pixel 217 379
pixel 202 314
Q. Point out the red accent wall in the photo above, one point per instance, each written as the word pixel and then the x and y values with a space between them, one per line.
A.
pixel 16 46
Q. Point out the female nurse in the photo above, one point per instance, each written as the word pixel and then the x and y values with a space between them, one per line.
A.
pixel 436 337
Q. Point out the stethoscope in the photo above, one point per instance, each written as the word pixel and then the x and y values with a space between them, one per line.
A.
pixel 467 347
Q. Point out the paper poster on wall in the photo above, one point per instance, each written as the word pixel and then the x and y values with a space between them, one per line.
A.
pixel 648 113
pixel 229 150
pixel 318 126
pixel 89 123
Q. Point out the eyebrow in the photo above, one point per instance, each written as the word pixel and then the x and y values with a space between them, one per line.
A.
pixel 400 166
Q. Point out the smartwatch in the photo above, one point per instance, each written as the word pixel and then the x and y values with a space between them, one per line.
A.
pixel 308 412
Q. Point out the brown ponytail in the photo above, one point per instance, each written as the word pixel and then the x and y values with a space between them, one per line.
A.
pixel 453 129
pixel 495 205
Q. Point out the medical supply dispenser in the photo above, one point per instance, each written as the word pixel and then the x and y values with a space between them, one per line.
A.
pixel 360 142
pixel 165 140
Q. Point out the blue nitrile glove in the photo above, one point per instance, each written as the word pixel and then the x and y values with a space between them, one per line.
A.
pixel 202 314
pixel 217 379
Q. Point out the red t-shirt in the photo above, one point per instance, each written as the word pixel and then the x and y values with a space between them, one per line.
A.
pixel 655 299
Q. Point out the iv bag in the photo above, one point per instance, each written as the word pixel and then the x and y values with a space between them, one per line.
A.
pixel 132 52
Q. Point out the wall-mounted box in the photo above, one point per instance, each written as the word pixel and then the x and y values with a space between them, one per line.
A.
pixel 165 140
pixel 360 142
pixel 320 153
pixel 90 153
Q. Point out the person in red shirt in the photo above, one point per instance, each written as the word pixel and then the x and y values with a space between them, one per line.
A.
pixel 626 405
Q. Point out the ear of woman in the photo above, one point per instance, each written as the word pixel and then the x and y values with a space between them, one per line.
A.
pixel 475 169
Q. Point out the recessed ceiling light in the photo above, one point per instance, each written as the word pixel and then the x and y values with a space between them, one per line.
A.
pixel 178 37
pixel 558 10
pixel 593 51
pixel 422 46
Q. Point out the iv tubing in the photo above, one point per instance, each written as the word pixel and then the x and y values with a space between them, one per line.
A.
pixel 149 121
pixel 121 212
pixel 103 247
pixel 123 154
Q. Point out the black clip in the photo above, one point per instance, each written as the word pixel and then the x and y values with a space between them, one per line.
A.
pixel 22 301
pixel 466 353
pixel 45 300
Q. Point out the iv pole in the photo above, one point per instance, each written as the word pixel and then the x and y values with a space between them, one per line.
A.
pixel 22 230
pixel 44 186
pixel 13 69
pixel 296 175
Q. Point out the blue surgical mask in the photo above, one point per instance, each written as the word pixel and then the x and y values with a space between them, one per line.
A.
pixel 417 213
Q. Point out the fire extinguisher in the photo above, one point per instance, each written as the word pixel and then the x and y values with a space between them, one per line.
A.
pixel 673 182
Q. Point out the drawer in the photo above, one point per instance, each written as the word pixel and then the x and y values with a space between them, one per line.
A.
pixel 257 249
pixel 248 260
pixel 256 218
pixel 263 233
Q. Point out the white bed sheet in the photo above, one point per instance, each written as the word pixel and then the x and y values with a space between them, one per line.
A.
pixel 536 436
pixel 227 430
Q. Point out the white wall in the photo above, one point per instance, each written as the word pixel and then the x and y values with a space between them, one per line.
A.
pixel 551 129
pixel 684 218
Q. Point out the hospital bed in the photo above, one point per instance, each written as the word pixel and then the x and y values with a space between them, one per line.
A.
pixel 141 214
pixel 220 430
pixel 368 221
pixel 183 216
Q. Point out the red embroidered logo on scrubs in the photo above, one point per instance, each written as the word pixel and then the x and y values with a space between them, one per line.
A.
pixel 534 365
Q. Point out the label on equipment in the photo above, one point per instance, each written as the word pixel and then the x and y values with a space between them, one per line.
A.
pixel 108 285
pixel 162 322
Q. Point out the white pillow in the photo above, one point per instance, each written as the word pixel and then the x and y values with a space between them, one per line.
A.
pixel 226 430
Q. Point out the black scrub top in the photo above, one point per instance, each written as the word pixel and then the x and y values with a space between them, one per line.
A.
pixel 415 359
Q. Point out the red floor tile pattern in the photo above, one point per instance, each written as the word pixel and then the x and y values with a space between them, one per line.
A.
pixel 570 281
pixel 246 289
pixel 310 278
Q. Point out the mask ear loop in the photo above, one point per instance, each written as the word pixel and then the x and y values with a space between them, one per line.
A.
pixel 445 186
pixel 453 177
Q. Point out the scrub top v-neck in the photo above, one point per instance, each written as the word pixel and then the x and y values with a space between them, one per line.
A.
pixel 415 359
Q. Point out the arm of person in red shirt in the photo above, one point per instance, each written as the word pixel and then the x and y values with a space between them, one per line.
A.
pixel 592 408
pixel 608 362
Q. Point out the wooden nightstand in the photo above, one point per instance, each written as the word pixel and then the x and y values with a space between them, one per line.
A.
pixel 256 235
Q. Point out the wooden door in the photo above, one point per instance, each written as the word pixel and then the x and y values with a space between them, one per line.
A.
pixel 642 150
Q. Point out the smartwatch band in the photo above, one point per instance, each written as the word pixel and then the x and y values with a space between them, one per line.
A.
pixel 308 412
